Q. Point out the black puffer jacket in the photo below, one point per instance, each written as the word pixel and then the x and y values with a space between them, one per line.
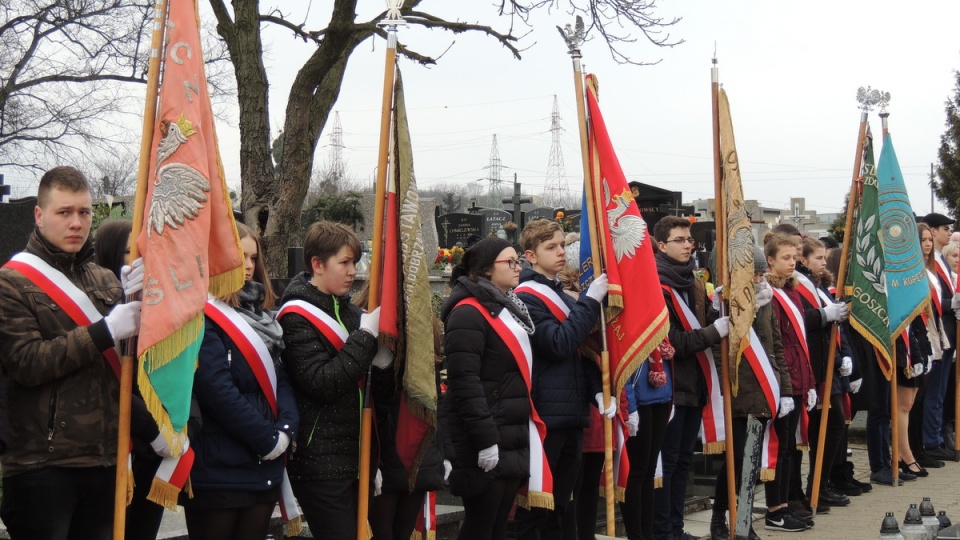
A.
pixel 326 384
pixel 689 385
pixel 818 334
pixel 487 401
pixel 564 383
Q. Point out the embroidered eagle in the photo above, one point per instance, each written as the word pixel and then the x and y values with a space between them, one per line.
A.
pixel 178 195
pixel 627 231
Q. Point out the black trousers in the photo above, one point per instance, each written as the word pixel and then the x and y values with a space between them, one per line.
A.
pixel 721 501
pixel 836 428
pixel 143 516
pixel 643 449
pixel 485 515
pixel 59 503
pixel 563 448
pixel 585 498
pixel 329 506
pixel 393 515
pixel 778 490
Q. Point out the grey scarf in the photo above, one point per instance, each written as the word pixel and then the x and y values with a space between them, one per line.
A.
pixel 263 322
pixel 509 300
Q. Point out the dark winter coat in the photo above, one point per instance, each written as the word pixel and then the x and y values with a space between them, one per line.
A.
pixel 690 387
pixel 487 401
pixel 326 384
pixel 948 318
pixel 62 395
pixel 564 382
pixel 798 363
pixel 386 399
pixel 236 426
pixel 818 335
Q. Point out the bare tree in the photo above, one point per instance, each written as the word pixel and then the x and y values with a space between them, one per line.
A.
pixel 272 198
pixel 113 174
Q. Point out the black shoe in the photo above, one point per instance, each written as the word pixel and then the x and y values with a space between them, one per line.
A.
pixel 864 486
pixel 885 477
pixel 753 535
pixel 847 487
pixel 799 509
pixel 783 521
pixel 807 520
pixel 928 462
pixel 686 536
pixel 907 476
pixel 832 498
pixel 908 468
pixel 821 507
pixel 939 453
pixel 718 527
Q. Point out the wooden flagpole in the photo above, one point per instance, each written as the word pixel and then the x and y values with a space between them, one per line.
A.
pixel 161 9
pixel 720 220
pixel 894 421
pixel 574 39
pixel 393 19
pixel 835 327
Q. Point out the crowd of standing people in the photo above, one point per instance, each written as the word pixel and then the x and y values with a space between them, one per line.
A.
pixel 280 384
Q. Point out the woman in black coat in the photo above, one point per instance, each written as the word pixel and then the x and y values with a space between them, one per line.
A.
pixel 486 409
pixel 239 439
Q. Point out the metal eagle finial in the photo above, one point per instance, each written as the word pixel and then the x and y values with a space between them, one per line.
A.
pixel 573 36
pixel 868 98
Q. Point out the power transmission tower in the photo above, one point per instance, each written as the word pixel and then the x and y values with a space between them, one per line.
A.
pixel 556 193
pixel 337 172
pixel 495 195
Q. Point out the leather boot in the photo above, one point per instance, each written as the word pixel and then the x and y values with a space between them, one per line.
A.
pixel 718 526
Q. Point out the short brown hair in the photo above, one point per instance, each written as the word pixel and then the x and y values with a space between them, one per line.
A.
pixel 325 238
pixel 811 244
pixel 537 232
pixel 661 231
pixel 63 177
pixel 778 240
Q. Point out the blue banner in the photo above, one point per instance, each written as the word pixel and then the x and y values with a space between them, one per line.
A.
pixel 586 261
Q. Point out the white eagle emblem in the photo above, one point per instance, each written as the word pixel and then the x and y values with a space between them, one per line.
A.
pixel 627 231
pixel 178 195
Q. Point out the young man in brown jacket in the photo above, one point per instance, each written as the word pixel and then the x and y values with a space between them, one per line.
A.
pixel 60 318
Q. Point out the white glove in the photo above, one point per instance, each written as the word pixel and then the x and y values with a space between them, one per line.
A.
pixel 283 441
pixel 447 467
pixel 917 369
pixel 598 288
pixel 378 483
pixel 717 300
pixel 929 365
pixel 811 399
pixel 131 277
pixel 123 321
pixel 955 302
pixel 846 366
pixel 836 312
pixel 855 386
pixel 723 326
pixel 786 406
pixel 160 447
pixel 606 411
pixel 370 322
pixel 488 458
pixel 633 423
pixel 383 359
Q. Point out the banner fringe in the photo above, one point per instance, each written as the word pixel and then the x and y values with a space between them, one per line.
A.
pixel 536 499
pixel 716 447
pixel 768 475
pixel 164 493
pixel 228 282
pixel 293 527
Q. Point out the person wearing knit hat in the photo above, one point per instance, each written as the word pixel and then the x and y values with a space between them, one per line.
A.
pixel 486 412
pixel 565 383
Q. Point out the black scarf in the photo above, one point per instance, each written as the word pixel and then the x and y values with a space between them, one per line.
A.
pixel 674 273
pixel 264 323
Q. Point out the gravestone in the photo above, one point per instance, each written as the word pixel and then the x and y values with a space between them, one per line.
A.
pixel 457 228
pixel 17 223
pixel 544 212
pixel 493 220
pixel 573 217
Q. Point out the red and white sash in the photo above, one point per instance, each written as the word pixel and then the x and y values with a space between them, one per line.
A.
pixel 763 370
pixel 712 415
pixel 71 299
pixel 795 317
pixel 936 289
pixel 803 427
pixel 257 356
pixel 621 463
pixel 942 269
pixel 546 294
pixel 809 291
pixel 426 527
pixel 327 325
pixel 538 491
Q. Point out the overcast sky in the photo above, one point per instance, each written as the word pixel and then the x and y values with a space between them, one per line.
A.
pixel 791 71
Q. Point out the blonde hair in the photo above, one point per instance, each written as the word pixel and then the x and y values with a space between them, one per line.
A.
pixel 949 249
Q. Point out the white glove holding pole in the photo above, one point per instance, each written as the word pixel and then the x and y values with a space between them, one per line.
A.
pixel 370 322
pixel 633 423
pixel 123 321
pixel 855 386
pixel 836 312
pixel 717 298
pixel 786 406
pixel 598 288
pixel 488 458
pixel 846 366
pixel 608 411
pixel 929 365
pixel 723 326
pixel 131 277
pixel 283 441
pixel 383 359
pixel 447 467
pixel 378 484
pixel 160 447
pixel 917 369
pixel 811 399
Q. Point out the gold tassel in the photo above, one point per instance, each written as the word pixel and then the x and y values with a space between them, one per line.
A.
pixel 130 486
pixel 658 482
pixel 716 447
pixel 226 283
pixel 804 447
pixel 164 493
pixel 293 527
pixel 768 475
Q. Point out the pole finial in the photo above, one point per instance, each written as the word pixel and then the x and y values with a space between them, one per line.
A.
pixel 393 16
pixel 868 98
pixel 574 36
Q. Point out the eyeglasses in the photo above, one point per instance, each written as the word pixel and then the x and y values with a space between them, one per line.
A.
pixel 681 241
pixel 512 263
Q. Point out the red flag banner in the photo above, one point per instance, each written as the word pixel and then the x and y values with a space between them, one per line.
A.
pixel 188 240
pixel 637 319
